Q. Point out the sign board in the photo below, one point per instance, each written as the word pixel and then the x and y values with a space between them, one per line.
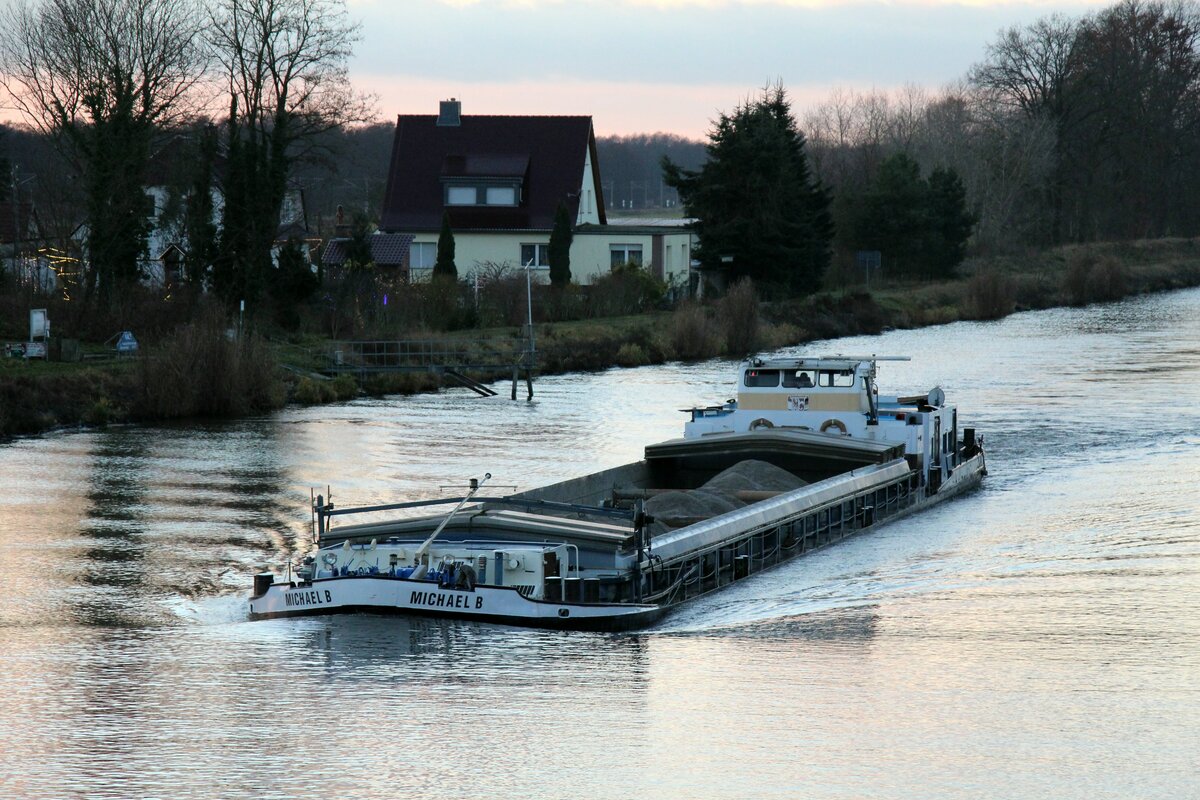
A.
pixel 868 259
pixel 797 402
pixel 127 344
pixel 39 324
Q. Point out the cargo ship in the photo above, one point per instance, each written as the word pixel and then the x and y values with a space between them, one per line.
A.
pixel 808 452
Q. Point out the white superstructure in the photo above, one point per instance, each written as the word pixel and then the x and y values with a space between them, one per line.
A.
pixel 837 396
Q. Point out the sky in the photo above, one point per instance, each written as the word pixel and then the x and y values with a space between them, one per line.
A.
pixel 640 66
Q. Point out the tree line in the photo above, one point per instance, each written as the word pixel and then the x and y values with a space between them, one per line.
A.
pixel 1068 129
pixel 105 81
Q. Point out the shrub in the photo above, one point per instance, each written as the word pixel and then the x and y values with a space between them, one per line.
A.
pixel 990 295
pixel 201 371
pixel 100 413
pixel 344 387
pixel 738 312
pixel 691 334
pixel 400 383
pixel 782 334
pixel 1093 279
pixel 632 355
pixel 308 392
pixel 627 289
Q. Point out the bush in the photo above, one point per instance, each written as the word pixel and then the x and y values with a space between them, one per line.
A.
pixel 100 413
pixel 344 387
pixel 990 295
pixel 1093 279
pixel 781 334
pixel 201 371
pixel 692 335
pixel 308 392
pixel 627 289
pixel 400 383
pixel 738 312
pixel 632 355
pixel 502 294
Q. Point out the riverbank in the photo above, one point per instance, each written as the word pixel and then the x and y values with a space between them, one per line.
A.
pixel 191 378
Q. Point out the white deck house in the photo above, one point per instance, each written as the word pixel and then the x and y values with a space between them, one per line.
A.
pixel 501 179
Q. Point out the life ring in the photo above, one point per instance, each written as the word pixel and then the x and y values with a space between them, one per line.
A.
pixel 833 423
pixel 329 559
pixel 761 422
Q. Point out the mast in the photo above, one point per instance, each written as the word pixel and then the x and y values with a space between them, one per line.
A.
pixel 422 554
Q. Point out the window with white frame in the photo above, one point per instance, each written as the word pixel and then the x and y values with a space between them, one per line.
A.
pixel 619 254
pixel 536 254
pixel 501 196
pixel 422 255
pixel 483 195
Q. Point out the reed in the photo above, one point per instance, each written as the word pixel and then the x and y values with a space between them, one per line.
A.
pixel 1094 278
pixel 632 354
pixel 990 295
pixel 201 370
pixel 739 315
pixel 691 334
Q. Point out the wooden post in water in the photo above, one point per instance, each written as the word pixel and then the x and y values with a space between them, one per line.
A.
pixel 516 377
pixel 529 384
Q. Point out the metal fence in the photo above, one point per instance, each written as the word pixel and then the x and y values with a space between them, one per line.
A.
pixel 430 355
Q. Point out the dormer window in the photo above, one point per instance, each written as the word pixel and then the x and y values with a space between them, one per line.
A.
pixel 476 195
pixel 462 196
pixel 494 181
pixel 501 195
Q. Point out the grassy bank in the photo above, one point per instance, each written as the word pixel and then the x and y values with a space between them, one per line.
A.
pixel 198 371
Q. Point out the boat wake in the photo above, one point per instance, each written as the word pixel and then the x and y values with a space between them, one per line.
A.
pixel 222 609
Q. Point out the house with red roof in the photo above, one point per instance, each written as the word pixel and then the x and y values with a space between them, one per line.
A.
pixel 500 179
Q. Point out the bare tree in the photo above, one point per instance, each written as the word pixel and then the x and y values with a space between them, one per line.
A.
pixel 1031 71
pixel 283 64
pixel 101 77
pixel 1028 69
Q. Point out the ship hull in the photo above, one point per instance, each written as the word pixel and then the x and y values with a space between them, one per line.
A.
pixel 381 594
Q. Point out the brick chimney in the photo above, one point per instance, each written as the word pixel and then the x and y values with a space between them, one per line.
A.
pixel 341 227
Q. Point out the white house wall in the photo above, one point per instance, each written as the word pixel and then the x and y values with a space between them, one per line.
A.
pixel 589 194
pixel 590 252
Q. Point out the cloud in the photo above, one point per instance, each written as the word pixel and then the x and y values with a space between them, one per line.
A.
pixel 672 5
pixel 616 108
pixel 675 61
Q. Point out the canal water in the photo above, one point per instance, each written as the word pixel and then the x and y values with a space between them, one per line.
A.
pixel 1039 638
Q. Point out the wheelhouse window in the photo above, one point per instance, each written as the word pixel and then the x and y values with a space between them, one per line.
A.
pixel 799 378
pixel 837 378
pixel 619 254
pixel 759 378
pixel 537 255
pixel 422 255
